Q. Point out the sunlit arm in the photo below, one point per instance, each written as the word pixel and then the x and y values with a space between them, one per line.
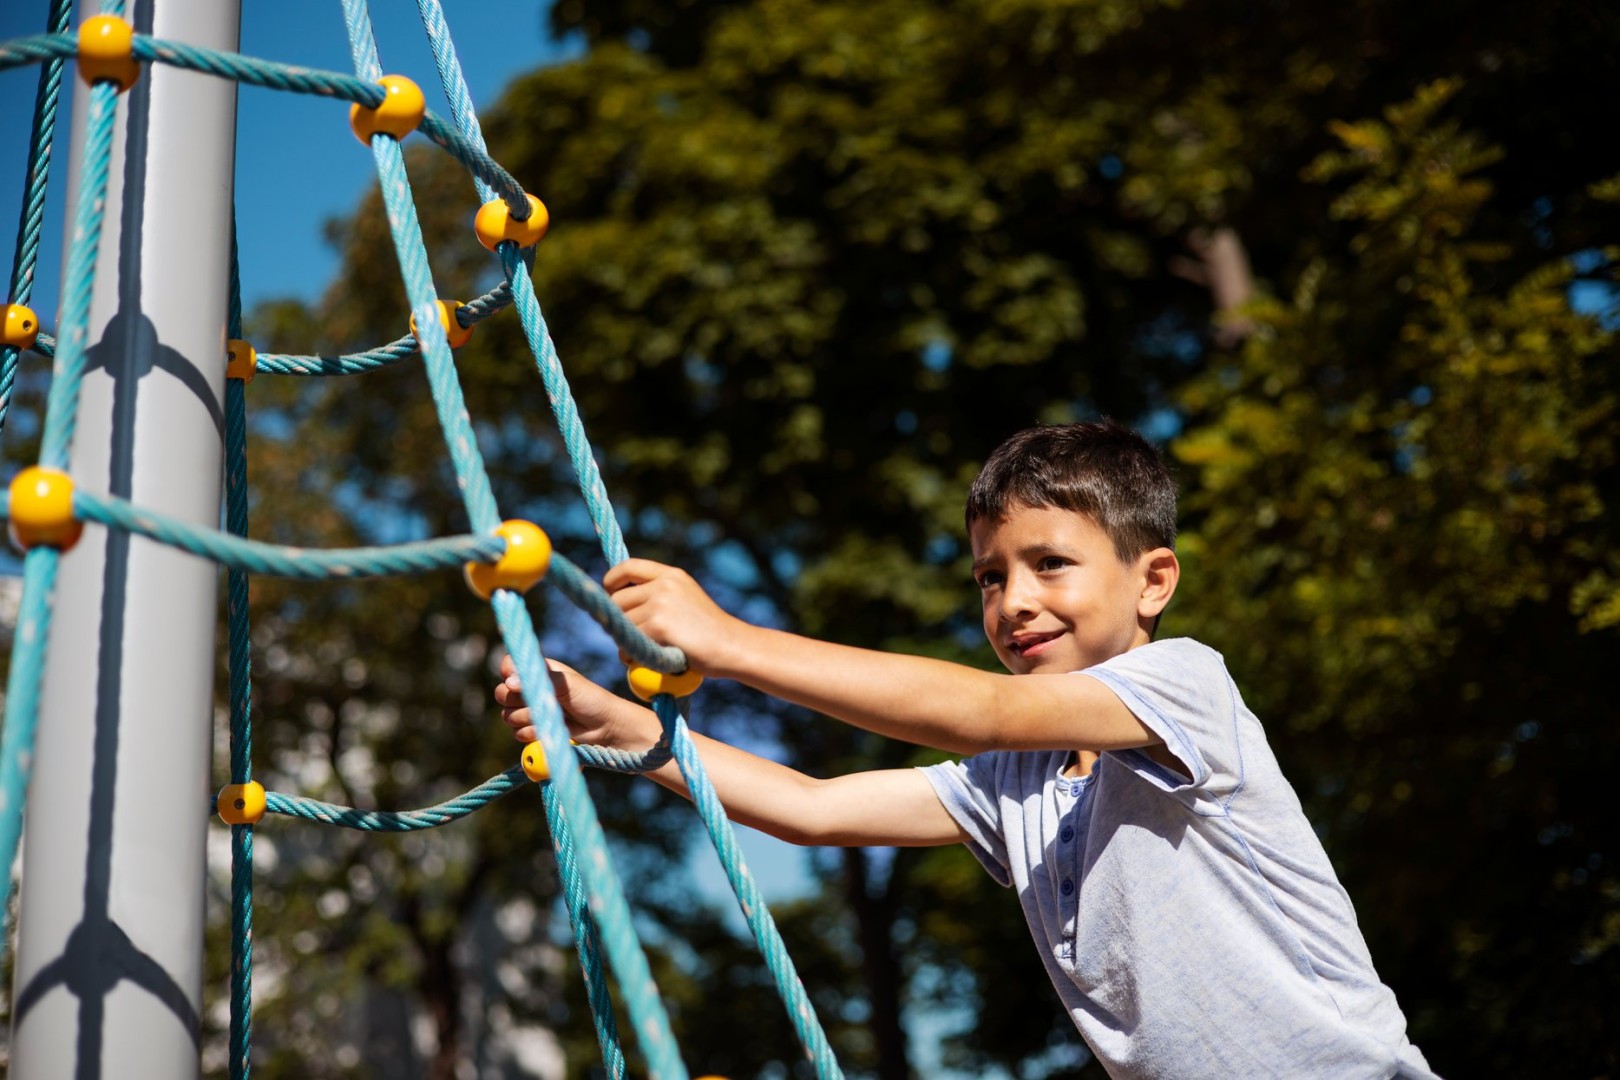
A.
pixel 931 702
pixel 886 807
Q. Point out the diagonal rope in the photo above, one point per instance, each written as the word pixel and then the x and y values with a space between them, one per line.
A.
pixel 40 564
pixel 604 892
pixel 31 221
pixel 786 976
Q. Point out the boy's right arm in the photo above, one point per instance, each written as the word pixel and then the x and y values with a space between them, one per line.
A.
pixel 885 807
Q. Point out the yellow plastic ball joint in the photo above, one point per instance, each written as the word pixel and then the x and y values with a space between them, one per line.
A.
pixel 42 509
pixel 527 556
pixel 107 51
pixel 21 327
pixel 535 766
pixel 495 223
pixel 645 682
pixel 242 360
pixel 241 804
pixel 457 334
pixel 400 113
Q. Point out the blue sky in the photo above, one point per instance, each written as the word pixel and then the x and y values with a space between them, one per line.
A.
pixel 298 165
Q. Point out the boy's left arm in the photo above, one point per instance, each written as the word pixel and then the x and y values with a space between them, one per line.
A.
pixel 915 699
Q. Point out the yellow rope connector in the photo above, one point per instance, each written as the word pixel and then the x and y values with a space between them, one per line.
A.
pixel 21 327
pixel 524 563
pixel 42 509
pixel 645 682
pixel 495 223
pixel 241 360
pixel 241 804
pixel 457 334
pixel 107 51
pixel 399 114
pixel 535 766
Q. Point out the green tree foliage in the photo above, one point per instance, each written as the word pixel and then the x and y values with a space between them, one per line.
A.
pixel 810 262
pixel 1403 526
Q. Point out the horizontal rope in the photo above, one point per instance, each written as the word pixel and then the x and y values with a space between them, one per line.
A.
pixel 612 759
pixel 347 817
pixel 274 76
pixel 471 313
pixel 31 50
pixel 304 564
pixel 348 364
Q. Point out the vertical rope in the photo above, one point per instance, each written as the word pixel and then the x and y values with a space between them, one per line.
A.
pixel 585 937
pixel 241 672
pixel 31 219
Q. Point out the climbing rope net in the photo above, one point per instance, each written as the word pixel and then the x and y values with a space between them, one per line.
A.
pixel 501 559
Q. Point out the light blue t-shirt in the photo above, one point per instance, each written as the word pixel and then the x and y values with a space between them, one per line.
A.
pixel 1193 927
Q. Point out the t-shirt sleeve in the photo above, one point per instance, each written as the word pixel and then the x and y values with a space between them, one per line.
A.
pixel 969 792
pixel 1180 690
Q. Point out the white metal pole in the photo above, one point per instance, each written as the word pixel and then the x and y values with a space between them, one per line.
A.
pixel 109 960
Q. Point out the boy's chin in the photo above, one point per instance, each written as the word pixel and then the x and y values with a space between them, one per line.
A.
pixel 1055 664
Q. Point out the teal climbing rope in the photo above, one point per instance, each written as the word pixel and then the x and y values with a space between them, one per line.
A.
pixel 598 910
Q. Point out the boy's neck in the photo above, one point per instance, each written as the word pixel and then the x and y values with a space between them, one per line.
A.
pixel 1080 764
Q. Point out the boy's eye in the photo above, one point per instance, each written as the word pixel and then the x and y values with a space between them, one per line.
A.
pixel 989 578
pixel 1052 562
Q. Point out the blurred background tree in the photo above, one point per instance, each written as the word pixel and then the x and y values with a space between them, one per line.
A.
pixel 1351 264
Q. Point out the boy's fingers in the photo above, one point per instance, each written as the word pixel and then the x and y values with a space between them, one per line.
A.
pixel 508 669
pixel 632 572
pixel 630 597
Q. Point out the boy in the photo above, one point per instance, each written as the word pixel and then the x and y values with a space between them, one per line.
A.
pixel 1181 902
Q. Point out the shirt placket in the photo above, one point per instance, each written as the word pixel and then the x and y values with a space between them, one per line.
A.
pixel 1071 852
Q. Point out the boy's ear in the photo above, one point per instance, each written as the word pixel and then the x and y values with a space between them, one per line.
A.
pixel 1161 571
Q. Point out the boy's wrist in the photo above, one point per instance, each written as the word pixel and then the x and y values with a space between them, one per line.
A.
pixel 730 657
pixel 625 725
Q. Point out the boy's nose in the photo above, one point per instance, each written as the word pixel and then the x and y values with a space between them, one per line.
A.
pixel 1017 599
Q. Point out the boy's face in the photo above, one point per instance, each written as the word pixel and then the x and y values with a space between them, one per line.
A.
pixel 1056 596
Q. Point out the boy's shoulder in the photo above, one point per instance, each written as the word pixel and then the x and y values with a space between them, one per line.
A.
pixel 1184 657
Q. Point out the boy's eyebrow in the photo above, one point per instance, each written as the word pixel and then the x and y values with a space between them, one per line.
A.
pixel 1033 550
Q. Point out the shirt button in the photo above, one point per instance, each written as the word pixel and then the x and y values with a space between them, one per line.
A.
pixel 1066 835
pixel 1068 887
pixel 1074 789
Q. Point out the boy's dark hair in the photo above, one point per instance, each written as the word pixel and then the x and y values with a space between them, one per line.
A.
pixel 1101 469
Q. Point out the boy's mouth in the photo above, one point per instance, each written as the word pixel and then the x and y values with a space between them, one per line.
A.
pixel 1033 644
